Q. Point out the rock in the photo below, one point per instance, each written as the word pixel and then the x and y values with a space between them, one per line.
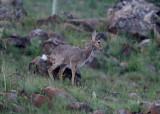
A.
pixel 16 76
pixel 123 112
pixel 99 112
pixel 38 33
pixel 153 108
pixel 57 93
pixel 5 2
pixel 19 14
pixel 18 42
pixel 17 3
pixel 6 24
pixel 144 43
pixel 18 108
pixel 80 106
pixel 11 96
pixel 1 30
pixel 89 25
pixel 49 45
pixel 35 62
pixel 38 100
pixel 14 91
pixel 123 64
pixel 132 16
pixel 42 67
pixel 112 93
pixel 59 37
pixel 53 19
pixel 14 35
pixel 144 104
pixel 134 96
pixel 156 31
pixel 5 13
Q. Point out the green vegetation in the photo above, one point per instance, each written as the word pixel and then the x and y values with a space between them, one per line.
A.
pixel 157 2
pixel 137 77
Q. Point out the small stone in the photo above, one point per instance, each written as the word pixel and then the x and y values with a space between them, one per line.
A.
pixel 12 96
pixel 38 33
pixel 144 104
pixel 19 14
pixel 123 112
pixel 123 64
pixel 18 108
pixel 144 43
pixel 99 112
pixel 112 93
pixel 17 42
pixel 16 76
pixel 5 24
pixel 2 30
pixel 49 45
pixel 59 37
pixel 38 100
pixel 5 13
pixel 57 93
pixel 80 106
pixel 53 19
pixel 134 96
pixel 17 2
pixel 14 91
pixel 154 108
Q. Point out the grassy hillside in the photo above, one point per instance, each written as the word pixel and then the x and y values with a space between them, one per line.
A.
pixel 141 76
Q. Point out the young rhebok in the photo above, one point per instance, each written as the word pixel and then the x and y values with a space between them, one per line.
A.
pixel 72 57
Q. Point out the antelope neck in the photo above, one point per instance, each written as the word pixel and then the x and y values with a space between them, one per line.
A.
pixel 89 50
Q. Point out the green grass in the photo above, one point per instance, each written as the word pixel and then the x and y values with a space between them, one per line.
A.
pixel 109 76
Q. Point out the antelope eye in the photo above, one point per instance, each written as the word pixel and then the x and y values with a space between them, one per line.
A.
pixel 98 42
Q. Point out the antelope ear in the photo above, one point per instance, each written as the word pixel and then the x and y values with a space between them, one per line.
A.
pixel 94 35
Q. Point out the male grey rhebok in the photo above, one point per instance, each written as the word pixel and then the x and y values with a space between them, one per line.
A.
pixel 72 57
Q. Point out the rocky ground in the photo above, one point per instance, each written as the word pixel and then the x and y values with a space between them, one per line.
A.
pixel 123 79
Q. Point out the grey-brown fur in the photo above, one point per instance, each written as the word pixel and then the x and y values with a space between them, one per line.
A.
pixel 72 56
